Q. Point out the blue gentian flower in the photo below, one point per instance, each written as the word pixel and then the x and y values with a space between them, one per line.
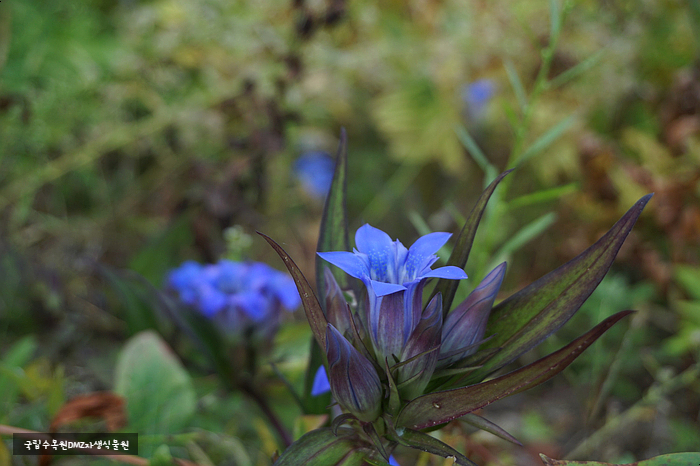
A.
pixel 240 295
pixel 315 172
pixel 394 277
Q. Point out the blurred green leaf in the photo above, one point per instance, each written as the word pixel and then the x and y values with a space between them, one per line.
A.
pixel 161 253
pixel 159 395
pixel 162 457
pixel 14 359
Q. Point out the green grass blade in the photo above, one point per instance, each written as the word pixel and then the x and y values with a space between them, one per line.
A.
pixel 517 85
pixel 542 196
pixel 547 139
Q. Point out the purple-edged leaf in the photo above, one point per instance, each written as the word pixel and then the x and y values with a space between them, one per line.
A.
pixel 461 251
pixel 672 459
pixel 424 442
pixel 441 407
pixel 525 319
pixel 334 223
pixel 488 426
pixel 314 313
pixel 321 447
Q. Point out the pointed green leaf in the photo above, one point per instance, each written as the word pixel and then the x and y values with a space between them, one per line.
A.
pixel 424 442
pixel 488 426
pixel 334 223
pixel 321 447
pixel 526 318
pixel 440 407
pixel 333 236
pixel 673 459
pixel 460 253
pixel 314 313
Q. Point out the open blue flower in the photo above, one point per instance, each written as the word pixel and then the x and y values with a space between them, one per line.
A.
pixel 394 277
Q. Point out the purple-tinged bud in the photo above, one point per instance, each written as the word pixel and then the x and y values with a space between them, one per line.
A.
pixel 465 326
pixel 422 345
pixel 354 381
pixel 337 309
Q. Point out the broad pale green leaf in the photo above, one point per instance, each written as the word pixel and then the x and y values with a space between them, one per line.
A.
pixel 314 313
pixel 321 447
pixel 334 223
pixel 159 395
pixel 460 253
pixel 673 459
pixel 525 319
pixel 441 407
pixel 424 442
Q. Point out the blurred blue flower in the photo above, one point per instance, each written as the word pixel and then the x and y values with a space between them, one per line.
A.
pixel 476 96
pixel 321 384
pixel 240 295
pixel 393 462
pixel 315 172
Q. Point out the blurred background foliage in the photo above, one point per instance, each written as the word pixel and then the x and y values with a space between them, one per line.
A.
pixel 135 134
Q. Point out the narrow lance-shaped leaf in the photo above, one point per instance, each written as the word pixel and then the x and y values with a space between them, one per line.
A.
pixel 488 426
pixel 424 442
pixel 334 223
pixel 460 253
pixel 441 407
pixel 333 236
pixel 525 319
pixel 312 308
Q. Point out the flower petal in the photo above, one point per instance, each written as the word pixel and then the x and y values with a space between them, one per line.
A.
pixel 423 251
pixel 347 262
pixel 380 250
pixel 448 271
pixel 383 289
